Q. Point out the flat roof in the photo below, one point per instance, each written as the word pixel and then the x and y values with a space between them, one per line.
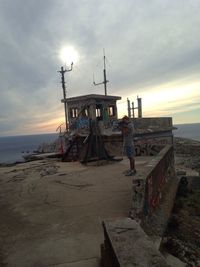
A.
pixel 93 96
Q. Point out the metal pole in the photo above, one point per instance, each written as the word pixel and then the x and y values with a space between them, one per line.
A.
pixel 104 74
pixel 129 108
pixel 133 111
pixel 105 81
pixel 62 72
pixel 64 96
pixel 139 107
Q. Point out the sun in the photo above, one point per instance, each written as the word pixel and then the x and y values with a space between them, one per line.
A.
pixel 68 54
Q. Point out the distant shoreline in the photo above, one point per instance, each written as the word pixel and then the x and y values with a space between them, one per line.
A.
pixel 187 123
pixel 187 139
pixel 188 131
pixel 12 149
pixel 25 135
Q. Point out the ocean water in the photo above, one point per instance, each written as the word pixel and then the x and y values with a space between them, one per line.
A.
pixel 13 148
pixel 191 131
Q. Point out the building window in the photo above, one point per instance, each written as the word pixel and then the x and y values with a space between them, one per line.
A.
pixel 99 111
pixel 111 111
pixel 74 112
pixel 86 113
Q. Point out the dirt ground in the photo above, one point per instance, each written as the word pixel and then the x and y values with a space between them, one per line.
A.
pixel 51 212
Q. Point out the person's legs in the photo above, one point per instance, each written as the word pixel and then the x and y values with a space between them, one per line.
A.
pixel 130 154
pixel 132 163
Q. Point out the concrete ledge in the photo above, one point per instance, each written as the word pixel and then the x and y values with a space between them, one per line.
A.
pixel 93 262
pixel 127 245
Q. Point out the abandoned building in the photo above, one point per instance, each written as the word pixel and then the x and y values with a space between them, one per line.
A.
pixel 94 107
pixel 93 129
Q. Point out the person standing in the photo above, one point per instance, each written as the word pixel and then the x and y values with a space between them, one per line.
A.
pixel 128 143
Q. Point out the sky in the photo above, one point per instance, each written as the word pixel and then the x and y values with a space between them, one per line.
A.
pixel 152 51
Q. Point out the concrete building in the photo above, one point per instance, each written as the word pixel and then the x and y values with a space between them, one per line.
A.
pixel 93 106
pixel 97 115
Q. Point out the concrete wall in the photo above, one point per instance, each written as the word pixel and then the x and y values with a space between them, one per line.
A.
pixel 153 195
pixel 160 174
pixel 151 145
pixel 145 145
pixel 153 123
pixel 152 201
pixel 150 137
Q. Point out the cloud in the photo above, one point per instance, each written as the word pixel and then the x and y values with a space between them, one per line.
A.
pixel 148 44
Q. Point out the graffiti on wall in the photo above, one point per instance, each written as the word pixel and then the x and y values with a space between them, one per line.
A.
pixel 147 150
pixel 151 146
pixel 156 181
pixel 82 123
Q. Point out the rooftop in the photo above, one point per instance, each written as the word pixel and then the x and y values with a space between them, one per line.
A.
pixel 93 96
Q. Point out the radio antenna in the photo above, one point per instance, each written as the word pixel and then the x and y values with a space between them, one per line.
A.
pixel 64 100
pixel 105 81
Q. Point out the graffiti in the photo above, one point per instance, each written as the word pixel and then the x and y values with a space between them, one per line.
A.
pixel 156 180
pixel 82 123
pixel 154 140
pixel 115 125
pixel 147 150
pixel 155 197
pixel 150 146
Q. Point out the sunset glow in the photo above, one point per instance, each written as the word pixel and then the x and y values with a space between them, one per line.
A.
pixel 168 100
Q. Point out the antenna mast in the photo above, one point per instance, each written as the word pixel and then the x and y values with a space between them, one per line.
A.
pixel 105 81
pixel 64 100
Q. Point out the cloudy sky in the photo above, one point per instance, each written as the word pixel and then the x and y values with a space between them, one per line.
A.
pixel 152 50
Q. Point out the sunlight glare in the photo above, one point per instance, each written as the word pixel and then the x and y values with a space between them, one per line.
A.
pixel 68 54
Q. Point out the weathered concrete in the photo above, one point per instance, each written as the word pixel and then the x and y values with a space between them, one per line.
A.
pixel 130 245
pixel 154 188
pixel 154 124
pixel 51 212
pixel 154 191
pixel 91 103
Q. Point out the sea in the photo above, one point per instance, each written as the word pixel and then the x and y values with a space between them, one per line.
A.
pixel 13 148
pixel 190 131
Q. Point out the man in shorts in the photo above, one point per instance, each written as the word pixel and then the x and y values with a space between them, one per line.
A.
pixel 128 143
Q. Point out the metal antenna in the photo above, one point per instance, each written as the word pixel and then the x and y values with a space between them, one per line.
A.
pixel 64 100
pixel 105 81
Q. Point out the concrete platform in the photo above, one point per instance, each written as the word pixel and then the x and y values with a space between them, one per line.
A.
pixel 51 212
